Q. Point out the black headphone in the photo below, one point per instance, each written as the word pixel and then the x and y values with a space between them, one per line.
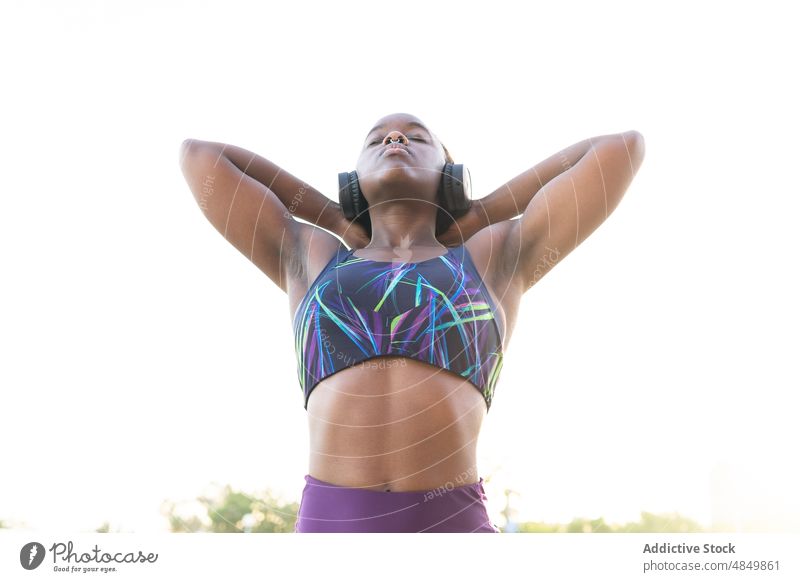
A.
pixel 454 197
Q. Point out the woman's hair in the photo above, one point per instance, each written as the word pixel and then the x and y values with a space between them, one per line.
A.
pixel 448 158
pixel 445 216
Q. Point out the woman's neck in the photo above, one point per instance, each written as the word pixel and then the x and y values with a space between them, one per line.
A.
pixel 400 225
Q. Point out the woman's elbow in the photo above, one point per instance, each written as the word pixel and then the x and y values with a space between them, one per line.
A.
pixel 635 143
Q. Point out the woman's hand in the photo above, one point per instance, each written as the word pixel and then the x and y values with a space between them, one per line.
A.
pixel 351 231
pixel 465 226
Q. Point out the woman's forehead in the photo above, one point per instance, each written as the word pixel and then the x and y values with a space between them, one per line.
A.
pixel 399 119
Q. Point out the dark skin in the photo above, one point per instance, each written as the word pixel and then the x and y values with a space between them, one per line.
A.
pixel 394 423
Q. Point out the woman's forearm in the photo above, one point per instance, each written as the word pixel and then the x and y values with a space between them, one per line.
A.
pixel 511 199
pixel 300 199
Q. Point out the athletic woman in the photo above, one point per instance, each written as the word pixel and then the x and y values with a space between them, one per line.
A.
pixel 400 338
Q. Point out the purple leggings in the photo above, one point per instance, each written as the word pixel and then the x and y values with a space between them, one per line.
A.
pixel 328 508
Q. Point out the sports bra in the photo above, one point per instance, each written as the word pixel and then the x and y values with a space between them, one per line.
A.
pixel 436 311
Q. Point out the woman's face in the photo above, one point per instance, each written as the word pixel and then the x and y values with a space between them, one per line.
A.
pixel 413 167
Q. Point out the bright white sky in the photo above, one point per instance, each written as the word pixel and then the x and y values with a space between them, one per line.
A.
pixel 144 358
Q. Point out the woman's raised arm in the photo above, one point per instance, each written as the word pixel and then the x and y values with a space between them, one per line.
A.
pixel 561 200
pixel 567 208
pixel 510 200
pixel 252 203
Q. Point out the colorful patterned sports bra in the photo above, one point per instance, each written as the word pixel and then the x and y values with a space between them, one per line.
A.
pixel 436 311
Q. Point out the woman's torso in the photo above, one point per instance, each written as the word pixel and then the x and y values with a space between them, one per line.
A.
pixel 393 423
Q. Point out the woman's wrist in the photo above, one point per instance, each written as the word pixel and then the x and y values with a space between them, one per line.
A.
pixel 482 213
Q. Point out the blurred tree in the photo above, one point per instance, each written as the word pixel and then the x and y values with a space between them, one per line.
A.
pixel 106 528
pixel 663 523
pixel 648 523
pixel 236 512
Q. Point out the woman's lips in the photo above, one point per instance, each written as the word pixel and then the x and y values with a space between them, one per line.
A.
pixel 394 150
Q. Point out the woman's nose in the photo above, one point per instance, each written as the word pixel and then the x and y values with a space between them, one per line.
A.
pixel 395 136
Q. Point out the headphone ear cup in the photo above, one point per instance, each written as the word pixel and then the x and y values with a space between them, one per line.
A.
pixel 456 189
pixel 351 199
pixel 349 194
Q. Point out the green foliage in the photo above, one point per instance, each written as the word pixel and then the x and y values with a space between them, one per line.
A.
pixel 106 528
pixel 236 512
pixel 648 523
pixel 663 523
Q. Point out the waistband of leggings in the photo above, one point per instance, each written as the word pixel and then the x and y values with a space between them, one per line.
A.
pixel 448 486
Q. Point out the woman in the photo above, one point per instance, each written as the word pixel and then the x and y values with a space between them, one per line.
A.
pixel 400 339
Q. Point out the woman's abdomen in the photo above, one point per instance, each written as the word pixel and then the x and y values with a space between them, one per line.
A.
pixel 394 424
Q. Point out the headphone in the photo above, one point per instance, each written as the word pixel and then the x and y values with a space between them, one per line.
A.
pixel 454 194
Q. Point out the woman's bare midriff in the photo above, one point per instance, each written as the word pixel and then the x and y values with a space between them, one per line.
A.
pixel 395 424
